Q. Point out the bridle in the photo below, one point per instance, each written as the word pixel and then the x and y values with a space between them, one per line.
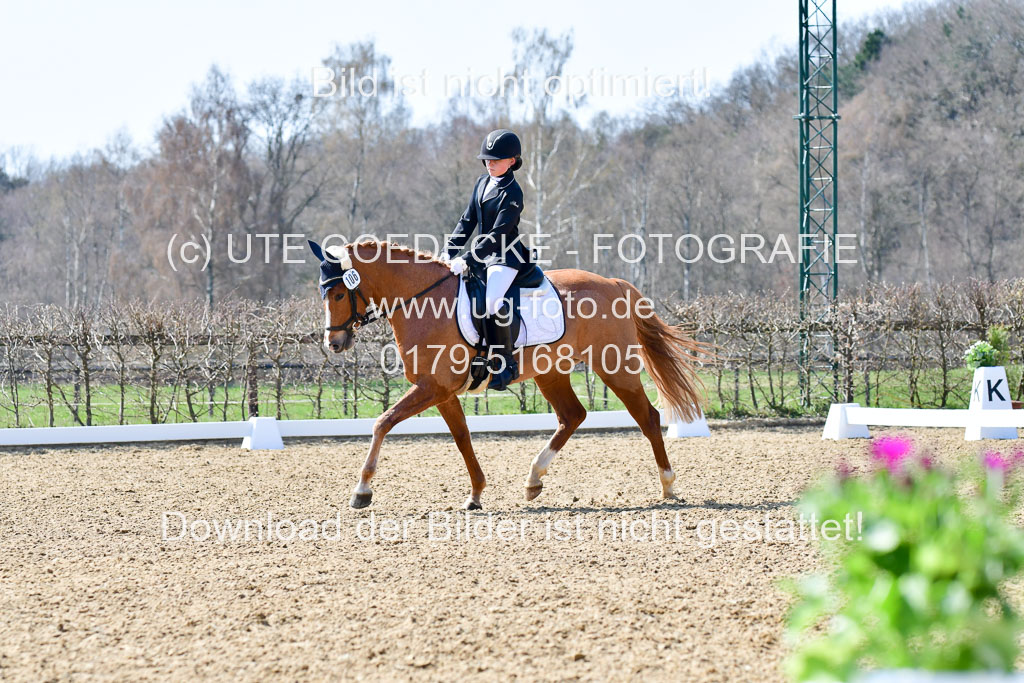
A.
pixel 370 313
pixel 355 318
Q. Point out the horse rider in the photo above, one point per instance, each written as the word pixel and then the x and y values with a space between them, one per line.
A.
pixel 495 206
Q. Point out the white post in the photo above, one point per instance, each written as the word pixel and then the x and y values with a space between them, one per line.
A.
pixel 990 391
pixel 679 428
pixel 265 435
pixel 837 425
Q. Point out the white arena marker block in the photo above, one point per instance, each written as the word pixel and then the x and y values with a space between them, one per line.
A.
pixel 265 435
pixel 837 425
pixel 679 428
pixel 990 391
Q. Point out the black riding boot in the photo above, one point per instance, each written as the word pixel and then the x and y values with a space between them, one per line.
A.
pixel 498 328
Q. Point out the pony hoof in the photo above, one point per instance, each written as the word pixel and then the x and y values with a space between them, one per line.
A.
pixel 471 504
pixel 533 491
pixel 360 500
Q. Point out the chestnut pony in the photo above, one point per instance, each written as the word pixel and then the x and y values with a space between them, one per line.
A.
pixel 608 324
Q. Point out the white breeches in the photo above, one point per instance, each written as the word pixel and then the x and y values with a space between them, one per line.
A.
pixel 499 277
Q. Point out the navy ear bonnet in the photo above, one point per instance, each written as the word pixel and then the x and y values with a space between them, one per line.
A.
pixel 330 275
pixel 331 271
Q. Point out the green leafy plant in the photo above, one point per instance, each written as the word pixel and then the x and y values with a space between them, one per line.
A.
pixel 999 340
pixel 920 587
pixel 981 354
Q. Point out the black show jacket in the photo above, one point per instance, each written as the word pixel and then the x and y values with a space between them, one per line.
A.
pixel 497 214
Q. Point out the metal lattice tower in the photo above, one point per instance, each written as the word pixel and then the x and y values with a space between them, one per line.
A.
pixel 819 123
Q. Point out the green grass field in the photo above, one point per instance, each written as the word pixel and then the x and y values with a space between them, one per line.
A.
pixel 726 398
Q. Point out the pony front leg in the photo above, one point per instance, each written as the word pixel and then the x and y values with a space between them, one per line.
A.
pixel 455 418
pixel 415 401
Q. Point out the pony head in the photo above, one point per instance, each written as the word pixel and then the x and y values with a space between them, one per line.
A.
pixel 338 306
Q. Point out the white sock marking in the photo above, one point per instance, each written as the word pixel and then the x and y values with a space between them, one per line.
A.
pixel 539 466
pixel 667 479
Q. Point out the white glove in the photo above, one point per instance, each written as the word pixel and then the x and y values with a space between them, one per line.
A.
pixel 458 265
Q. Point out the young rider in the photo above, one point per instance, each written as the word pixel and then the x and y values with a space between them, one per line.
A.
pixel 495 206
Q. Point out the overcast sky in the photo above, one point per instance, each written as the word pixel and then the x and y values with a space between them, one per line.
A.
pixel 73 73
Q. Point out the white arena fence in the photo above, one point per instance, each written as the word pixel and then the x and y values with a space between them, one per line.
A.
pixel 851 421
pixel 259 433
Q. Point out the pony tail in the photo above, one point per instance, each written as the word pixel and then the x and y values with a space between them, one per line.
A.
pixel 670 355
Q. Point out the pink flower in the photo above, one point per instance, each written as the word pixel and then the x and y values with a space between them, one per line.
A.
pixel 844 470
pixel 891 451
pixel 994 460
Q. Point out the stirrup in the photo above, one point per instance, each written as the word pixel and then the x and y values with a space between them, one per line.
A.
pixel 501 379
pixel 479 370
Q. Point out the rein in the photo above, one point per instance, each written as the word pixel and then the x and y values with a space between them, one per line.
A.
pixel 367 316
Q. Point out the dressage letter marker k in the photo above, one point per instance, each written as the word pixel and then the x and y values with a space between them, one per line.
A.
pixel 990 391
pixel 994 389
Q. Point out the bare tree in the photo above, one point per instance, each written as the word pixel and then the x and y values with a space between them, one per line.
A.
pixel 290 173
pixel 203 151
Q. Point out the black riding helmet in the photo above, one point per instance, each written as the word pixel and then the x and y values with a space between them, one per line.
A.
pixel 502 144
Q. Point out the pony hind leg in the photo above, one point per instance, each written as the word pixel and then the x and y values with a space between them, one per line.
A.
pixel 557 389
pixel 630 390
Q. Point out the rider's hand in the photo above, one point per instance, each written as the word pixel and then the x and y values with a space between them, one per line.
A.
pixel 458 265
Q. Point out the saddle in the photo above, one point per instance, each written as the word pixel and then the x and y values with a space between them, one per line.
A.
pixel 476 290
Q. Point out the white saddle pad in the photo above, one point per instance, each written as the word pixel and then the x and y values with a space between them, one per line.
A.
pixel 541 310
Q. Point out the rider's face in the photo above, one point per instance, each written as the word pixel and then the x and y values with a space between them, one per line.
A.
pixel 497 167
